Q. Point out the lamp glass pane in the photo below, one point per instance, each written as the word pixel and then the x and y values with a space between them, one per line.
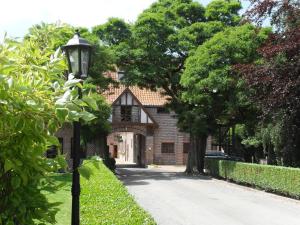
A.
pixel 73 54
pixel 84 62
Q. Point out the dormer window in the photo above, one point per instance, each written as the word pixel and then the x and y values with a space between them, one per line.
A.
pixel 126 113
pixel 120 75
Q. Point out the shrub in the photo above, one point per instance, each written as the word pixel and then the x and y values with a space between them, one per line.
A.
pixel 27 126
pixel 283 180
pixel 105 200
pixel 35 101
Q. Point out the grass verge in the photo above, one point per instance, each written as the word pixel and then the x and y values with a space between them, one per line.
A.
pixel 277 179
pixel 103 200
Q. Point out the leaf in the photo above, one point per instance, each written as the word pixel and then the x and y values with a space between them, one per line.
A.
pixel 64 99
pixel 61 161
pixel 24 177
pixel 15 182
pixel 72 83
pixel 91 102
pixel 79 102
pixel 52 140
pixel 31 102
pixel 56 85
pixel 4 102
pixel 86 116
pixel 8 165
pixel 57 52
pixel 61 113
pixel 73 115
pixel 10 82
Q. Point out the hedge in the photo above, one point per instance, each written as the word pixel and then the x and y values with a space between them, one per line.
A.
pixel 281 180
pixel 105 200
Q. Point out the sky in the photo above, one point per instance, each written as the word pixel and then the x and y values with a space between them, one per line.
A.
pixel 18 15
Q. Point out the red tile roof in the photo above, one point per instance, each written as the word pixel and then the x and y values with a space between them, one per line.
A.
pixel 145 96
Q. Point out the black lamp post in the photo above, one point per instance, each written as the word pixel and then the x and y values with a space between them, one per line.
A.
pixel 78 52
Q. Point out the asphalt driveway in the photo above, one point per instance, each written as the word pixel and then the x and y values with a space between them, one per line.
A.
pixel 175 199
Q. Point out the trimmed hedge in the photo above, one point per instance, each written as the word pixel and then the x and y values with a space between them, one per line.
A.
pixel 282 180
pixel 105 200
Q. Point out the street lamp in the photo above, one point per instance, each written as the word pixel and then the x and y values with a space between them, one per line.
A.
pixel 78 53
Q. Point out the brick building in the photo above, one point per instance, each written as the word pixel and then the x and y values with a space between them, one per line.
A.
pixel 143 131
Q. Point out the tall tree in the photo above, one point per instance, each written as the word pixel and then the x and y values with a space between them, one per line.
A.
pixel 218 95
pixel 276 76
pixel 161 40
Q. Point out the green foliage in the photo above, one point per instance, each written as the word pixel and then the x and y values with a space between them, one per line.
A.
pixel 283 180
pixel 104 199
pixel 35 101
pixel 50 37
pixel 100 125
pixel 97 111
pixel 268 136
pixel 27 126
pixel 271 135
pixel 113 32
pixel 163 36
pixel 225 11
pixel 211 84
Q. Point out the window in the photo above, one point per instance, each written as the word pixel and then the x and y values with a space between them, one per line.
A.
pixel 126 113
pixel 120 75
pixel 186 147
pixel 167 148
pixel 162 110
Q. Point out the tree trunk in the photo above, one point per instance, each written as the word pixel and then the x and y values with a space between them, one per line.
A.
pixel 201 140
pixel 195 162
pixel 190 164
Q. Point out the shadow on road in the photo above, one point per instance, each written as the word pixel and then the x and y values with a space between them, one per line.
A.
pixel 141 176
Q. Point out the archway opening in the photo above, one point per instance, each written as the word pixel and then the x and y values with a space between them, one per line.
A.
pixel 127 148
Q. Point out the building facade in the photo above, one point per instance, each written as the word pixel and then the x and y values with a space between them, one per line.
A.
pixel 143 131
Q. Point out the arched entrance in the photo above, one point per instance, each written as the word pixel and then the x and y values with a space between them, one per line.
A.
pixel 128 145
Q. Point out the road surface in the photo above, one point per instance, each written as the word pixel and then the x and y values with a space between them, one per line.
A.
pixel 175 199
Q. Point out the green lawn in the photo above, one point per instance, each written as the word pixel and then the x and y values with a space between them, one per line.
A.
pixel 103 200
pixel 63 196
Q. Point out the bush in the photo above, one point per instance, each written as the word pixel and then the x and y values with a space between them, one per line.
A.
pixel 105 200
pixel 282 180
pixel 35 101
pixel 27 127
